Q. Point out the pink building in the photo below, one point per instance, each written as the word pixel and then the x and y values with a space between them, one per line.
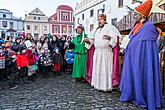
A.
pixel 62 22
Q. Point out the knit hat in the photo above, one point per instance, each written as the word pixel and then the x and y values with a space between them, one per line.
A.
pixel 145 8
pixel 56 49
pixel 80 26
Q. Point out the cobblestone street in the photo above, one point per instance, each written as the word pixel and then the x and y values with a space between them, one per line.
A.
pixel 60 93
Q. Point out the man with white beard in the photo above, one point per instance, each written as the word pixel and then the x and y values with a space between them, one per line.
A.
pixel 105 39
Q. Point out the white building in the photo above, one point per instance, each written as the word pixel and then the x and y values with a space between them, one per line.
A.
pixel 87 11
pixel 10 25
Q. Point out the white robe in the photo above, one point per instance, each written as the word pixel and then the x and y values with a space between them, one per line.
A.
pixel 103 58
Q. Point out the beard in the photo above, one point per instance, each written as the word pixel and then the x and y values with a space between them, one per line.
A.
pixel 100 25
pixel 137 19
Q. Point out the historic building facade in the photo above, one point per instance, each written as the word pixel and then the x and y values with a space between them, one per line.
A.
pixel 62 22
pixel 87 11
pixel 36 23
pixel 10 25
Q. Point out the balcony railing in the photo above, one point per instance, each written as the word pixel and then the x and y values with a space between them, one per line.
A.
pixel 128 21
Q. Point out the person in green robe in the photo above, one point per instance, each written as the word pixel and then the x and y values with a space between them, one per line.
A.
pixel 79 65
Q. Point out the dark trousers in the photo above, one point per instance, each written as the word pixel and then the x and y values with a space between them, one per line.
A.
pixel 14 72
pixel 22 74
pixel 45 70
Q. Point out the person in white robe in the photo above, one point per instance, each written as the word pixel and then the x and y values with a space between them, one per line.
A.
pixel 105 38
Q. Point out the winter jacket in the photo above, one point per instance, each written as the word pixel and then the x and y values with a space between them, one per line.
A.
pixel 30 57
pixel 22 60
pixel 57 58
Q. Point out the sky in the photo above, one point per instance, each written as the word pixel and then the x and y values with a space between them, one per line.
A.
pixel 20 7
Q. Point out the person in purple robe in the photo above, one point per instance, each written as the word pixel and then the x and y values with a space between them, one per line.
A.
pixel 141 81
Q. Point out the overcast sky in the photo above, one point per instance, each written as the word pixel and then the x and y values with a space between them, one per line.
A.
pixel 48 7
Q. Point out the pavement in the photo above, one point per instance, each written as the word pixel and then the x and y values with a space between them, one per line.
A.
pixel 60 93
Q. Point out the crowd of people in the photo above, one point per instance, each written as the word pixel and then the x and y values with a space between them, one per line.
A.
pixel 94 59
pixel 23 59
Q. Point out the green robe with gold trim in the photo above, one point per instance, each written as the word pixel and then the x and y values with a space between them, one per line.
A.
pixel 79 66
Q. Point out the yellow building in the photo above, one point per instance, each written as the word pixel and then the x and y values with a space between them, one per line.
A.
pixel 36 23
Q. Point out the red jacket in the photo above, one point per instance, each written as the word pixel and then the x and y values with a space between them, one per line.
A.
pixel 22 60
pixel 30 57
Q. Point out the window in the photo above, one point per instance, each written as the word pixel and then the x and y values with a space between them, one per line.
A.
pixel 36 27
pixel 39 18
pixel 82 16
pixel 114 21
pixel 28 27
pixel 56 29
pixel 64 30
pixel 78 21
pixel 65 16
pixel 4 24
pixel 36 35
pixel 70 30
pixel 120 3
pixel 91 27
pixel 4 15
pixel 12 34
pixel 103 10
pixel 11 24
pixel 91 13
pixel 45 28
pixel 34 18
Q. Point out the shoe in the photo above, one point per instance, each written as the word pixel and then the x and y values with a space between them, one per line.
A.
pixel 25 81
pixel 7 78
pixel 21 82
pixel 59 74
pixel 13 87
pixel 83 81
pixel 78 80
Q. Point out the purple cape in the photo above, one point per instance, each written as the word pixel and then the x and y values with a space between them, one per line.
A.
pixel 140 81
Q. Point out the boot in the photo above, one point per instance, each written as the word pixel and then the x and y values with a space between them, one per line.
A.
pixel 21 81
pixel 25 81
pixel 59 74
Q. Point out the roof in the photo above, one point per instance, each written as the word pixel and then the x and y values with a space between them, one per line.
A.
pixel 4 11
pixel 65 7
pixel 11 30
pixel 53 16
pixel 37 11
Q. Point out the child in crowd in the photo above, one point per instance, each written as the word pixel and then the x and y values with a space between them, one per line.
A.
pixel 11 67
pixel 35 66
pixel 32 61
pixel 22 64
pixel 57 61
pixel 2 63
pixel 69 57
pixel 45 61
